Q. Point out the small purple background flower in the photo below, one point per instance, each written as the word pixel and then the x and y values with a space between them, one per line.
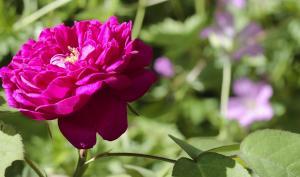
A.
pixel 247 39
pixel 237 3
pixel 164 67
pixel 223 27
pixel 251 103
pixel 223 33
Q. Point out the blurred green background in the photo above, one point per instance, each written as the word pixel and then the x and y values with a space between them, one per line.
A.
pixel 186 105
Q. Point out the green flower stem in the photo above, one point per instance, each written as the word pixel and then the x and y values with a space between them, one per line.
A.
pixel 49 130
pixel 200 7
pixel 34 167
pixel 225 86
pixel 177 9
pixel 155 2
pixel 224 130
pixel 126 154
pixel 81 167
pixel 139 18
pixel 133 110
pixel 38 14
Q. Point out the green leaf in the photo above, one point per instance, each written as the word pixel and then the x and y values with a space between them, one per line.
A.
pixel 189 149
pixel 212 144
pixel 11 148
pixel 170 34
pixel 229 150
pixel 101 11
pixel 120 175
pixel 200 145
pixel 3 105
pixel 186 167
pixel 136 171
pixel 272 153
pixel 7 129
pixel 209 165
pixel 261 9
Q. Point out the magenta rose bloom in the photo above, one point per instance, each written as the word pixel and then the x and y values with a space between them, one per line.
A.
pixel 82 75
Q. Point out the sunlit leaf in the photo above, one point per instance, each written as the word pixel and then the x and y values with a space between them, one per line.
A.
pixel 272 153
pixel 11 148
pixel 209 165
pixel 137 171
pixel 212 144
pixel 189 149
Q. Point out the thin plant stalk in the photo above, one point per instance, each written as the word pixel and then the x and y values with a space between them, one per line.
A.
pixel 133 110
pixel 34 167
pixel 81 167
pixel 155 2
pixel 225 86
pixel 200 7
pixel 226 80
pixel 39 13
pixel 126 154
pixel 177 9
pixel 139 18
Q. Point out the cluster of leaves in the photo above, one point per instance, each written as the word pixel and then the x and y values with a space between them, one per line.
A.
pixel 274 155
pixel 186 106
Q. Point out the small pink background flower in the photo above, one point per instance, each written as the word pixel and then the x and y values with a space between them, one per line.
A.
pixel 82 75
pixel 238 43
pixel 164 67
pixel 237 3
pixel 251 103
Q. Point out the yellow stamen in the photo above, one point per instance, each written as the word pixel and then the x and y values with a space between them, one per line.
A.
pixel 73 57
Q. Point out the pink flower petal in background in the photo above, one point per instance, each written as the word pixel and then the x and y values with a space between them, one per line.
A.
pixel 251 103
pixel 164 67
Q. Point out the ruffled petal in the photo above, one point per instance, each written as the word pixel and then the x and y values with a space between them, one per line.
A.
pixel 141 58
pixel 64 107
pixel 92 78
pixel 59 88
pixel 78 129
pixel 37 115
pixel 118 82
pixel 112 122
pixel 140 84
pixel 89 89
pixel 104 113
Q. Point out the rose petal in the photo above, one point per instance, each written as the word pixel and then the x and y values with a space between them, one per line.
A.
pixel 94 77
pixel 113 121
pixel 118 82
pixel 104 113
pixel 141 82
pixel 37 115
pixel 89 89
pixel 140 59
pixel 87 51
pixel 64 107
pixel 59 88
pixel 78 129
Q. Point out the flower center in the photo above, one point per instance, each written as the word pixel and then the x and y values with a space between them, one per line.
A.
pixel 250 103
pixel 73 57
pixel 60 59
